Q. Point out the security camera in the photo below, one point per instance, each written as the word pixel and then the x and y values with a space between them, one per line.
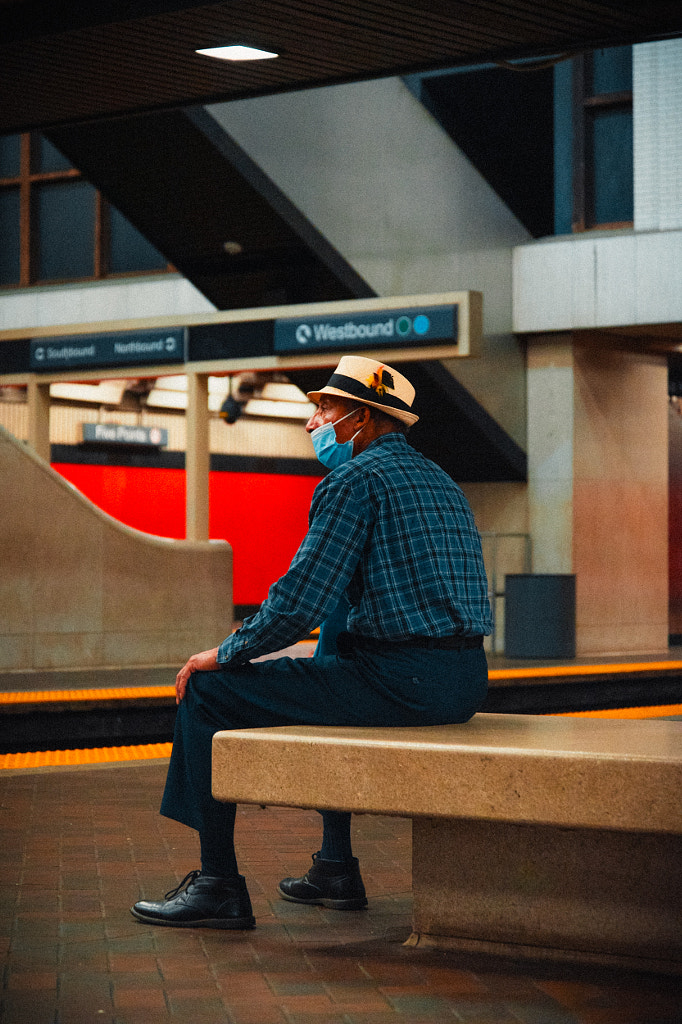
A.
pixel 230 410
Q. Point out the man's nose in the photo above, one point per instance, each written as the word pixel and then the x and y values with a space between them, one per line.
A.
pixel 311 424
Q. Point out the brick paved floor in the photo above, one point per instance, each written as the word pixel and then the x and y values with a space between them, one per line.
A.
pixel 80 845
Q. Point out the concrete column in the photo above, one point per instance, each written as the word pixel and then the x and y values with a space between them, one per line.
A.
pixel 598 486
pixel 39 418
pixel 197 457
pixel 550 452
pixel 620 501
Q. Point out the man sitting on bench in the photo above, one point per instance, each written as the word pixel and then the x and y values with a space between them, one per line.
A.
pixel 393 551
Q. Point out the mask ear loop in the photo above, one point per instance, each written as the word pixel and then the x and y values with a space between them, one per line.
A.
pixel 345 418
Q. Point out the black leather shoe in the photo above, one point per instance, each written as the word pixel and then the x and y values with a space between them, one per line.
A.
pixel 328 883
pixel 201 902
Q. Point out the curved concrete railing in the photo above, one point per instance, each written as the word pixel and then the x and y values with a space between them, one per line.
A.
pixel 78 589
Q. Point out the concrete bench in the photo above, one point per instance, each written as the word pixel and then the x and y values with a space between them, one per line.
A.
pixel 532 836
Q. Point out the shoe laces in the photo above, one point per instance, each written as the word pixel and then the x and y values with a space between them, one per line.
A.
pixel 187 880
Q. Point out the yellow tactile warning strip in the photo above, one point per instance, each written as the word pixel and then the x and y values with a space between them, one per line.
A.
pixel 64 696
pixel 107 755
pixel 584 670
pixel 661 711
pixel 93 755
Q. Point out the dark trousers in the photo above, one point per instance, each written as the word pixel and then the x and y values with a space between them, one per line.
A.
pixel 400 687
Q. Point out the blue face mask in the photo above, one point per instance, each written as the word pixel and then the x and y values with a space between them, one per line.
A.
pixel 328 450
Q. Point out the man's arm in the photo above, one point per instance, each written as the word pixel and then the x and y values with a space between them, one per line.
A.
pixel 298 602
pixel 315 581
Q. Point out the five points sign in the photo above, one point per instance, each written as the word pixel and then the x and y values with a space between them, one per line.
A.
pixel 413 327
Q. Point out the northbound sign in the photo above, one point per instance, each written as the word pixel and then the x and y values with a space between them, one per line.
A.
pixel 124 348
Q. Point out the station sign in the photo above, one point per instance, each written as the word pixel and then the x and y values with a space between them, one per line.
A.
pixel 120 349
pixel 411 327
pixel 435 326
pixel 119 433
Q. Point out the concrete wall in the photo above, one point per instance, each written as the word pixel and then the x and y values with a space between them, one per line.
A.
pixel 378 176
pixel 608 279
pixel 80 590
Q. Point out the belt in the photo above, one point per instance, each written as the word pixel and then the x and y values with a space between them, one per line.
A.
pixel 348 641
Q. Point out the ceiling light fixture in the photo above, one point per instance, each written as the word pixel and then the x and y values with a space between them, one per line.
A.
pixel 237 52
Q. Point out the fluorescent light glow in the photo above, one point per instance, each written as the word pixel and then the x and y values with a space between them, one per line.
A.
pixel 176 382
pixel 278 400
pixel 278 391
pixel 237 53
pixel 163 399
pixel 279 410
pixel 107 393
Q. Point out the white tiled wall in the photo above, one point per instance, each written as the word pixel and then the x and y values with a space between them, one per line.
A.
pixel 657 113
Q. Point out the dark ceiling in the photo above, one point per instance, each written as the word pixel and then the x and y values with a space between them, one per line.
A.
pixel 68 62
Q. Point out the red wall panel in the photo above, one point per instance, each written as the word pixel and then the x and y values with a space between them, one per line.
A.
pixel 264 516
pixel 152 500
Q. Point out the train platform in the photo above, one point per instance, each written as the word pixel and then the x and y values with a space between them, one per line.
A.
pixel 81 844
pixel 126 707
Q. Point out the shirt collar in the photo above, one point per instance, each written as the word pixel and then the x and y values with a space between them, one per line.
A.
pixel 394 437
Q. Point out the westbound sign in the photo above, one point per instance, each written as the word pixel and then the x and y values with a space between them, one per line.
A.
pixel 122 349
pixel 413 327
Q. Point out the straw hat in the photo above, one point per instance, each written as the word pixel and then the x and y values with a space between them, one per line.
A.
pixel 371 383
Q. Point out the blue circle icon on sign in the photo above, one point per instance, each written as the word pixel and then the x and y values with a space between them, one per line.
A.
pixel 403 326
pixel 421 324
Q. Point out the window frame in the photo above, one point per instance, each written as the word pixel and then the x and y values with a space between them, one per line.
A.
pixel 585 103
pixel 26 181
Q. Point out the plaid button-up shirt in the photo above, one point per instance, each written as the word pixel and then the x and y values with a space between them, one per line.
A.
pixel 396 534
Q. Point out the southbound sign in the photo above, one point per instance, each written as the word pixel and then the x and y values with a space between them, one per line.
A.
pixel 391 327
pixel 121 349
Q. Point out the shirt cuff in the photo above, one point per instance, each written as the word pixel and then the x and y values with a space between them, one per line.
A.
pixel 229 648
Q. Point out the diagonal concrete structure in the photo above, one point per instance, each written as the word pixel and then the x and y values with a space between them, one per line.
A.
pixel 78 589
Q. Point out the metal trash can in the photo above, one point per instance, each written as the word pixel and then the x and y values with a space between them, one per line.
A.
pixel 539 615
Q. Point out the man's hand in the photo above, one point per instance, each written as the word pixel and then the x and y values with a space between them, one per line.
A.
pixel 207 661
